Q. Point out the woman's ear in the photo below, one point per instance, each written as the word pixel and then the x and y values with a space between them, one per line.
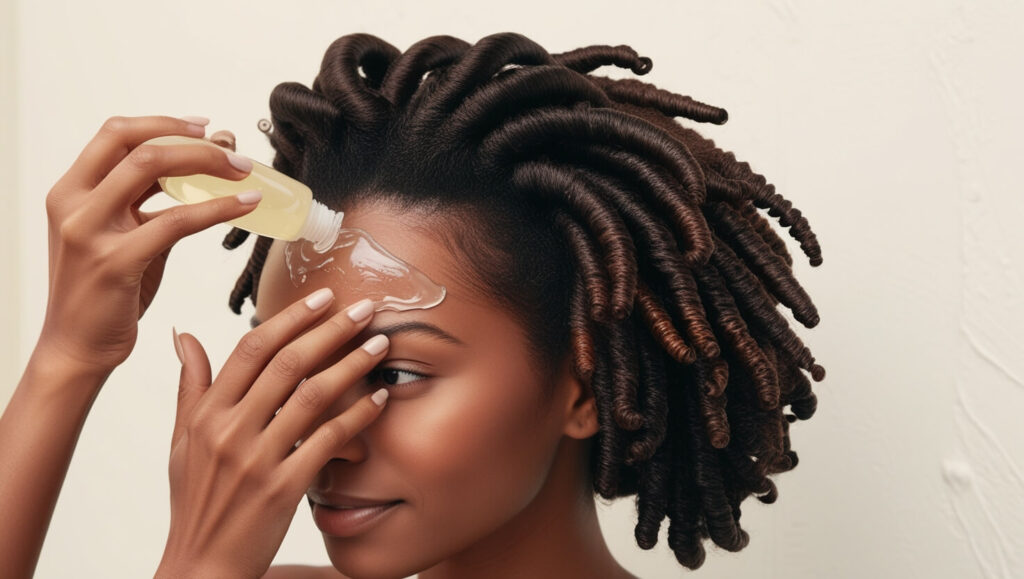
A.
pixel 580 405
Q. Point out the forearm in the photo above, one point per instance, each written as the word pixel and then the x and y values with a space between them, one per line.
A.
pixel 38 434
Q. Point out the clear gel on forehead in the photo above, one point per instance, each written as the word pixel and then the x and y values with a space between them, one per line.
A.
pixel 367 269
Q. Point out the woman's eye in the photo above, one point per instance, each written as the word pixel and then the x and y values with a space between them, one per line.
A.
pixel 394 376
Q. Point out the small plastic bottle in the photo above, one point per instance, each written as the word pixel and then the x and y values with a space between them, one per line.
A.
pixel 287 210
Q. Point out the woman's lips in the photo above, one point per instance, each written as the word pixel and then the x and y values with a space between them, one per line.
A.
pixel 348 522
pixel 338 500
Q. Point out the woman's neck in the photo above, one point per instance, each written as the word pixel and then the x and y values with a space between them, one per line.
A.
pixel 556 535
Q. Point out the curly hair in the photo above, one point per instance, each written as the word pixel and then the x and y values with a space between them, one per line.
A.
pixel 658 274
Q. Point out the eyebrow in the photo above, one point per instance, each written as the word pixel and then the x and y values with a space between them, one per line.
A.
pixel 408 327
pixel 412 327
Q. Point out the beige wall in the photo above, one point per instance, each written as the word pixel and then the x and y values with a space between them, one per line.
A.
pixel 894 126
pixel 10 360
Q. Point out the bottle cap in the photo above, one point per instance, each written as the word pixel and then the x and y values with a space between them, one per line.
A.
pixel 322 226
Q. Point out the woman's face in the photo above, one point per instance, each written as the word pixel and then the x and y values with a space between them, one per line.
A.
pixel 466 440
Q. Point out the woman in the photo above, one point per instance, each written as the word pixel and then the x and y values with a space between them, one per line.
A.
pixel 610 325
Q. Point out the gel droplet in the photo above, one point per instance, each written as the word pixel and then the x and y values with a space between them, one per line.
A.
pixel 367 269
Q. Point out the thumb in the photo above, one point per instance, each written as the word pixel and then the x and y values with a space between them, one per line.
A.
pixel 194 380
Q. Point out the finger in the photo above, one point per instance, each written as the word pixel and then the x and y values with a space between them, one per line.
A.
pixel 115 139
pixel 137 206
pixel 162 229
pixel 260 344
pixel 136 173
pixel 313 397
pixel 224 138
pixel 305 462
pixel 155 187
pixel 193 383
pixel 296 360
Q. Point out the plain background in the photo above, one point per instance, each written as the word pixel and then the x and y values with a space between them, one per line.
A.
pixel 893 126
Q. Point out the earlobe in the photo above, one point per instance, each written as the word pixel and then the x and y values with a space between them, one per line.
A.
pixel 581 406
pixel 583 422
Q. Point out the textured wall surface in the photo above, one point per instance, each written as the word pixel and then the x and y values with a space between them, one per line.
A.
pixel 982 469
pixel 893 126
pixel 10 360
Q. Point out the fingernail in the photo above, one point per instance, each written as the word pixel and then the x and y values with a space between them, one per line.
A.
pixel 376 344
pixel 319 298
pixel 177 345
pixel 239 162
pixel 196 120
pixel 380 396
pixel 249 197
pixel 360 310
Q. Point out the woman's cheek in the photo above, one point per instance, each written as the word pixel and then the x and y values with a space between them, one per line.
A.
pixel 444 428
pixel 461 435
pixel 470 458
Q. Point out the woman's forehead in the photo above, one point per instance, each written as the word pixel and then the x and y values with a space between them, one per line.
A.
pixel 398 254
pixel 463 312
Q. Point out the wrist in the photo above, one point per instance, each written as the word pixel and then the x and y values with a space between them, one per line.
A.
pixel 53 367
pixel 87 352
pixel 170 569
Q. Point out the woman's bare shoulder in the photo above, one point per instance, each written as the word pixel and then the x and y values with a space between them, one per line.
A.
pixel 303 572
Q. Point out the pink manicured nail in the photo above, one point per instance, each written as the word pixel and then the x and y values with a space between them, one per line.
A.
pixel 376 344
pixel 380 396
pixel 177 345
pixel 196 120
pixel 239 162
pixel 249 197
pixel 360 310
pixel 319 298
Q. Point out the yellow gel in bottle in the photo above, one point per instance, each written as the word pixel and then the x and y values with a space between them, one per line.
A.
pixel 287 210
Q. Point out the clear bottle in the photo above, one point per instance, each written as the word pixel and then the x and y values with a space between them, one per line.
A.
pixel 287 210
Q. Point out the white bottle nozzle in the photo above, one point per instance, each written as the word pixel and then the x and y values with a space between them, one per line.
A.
pixel 322 226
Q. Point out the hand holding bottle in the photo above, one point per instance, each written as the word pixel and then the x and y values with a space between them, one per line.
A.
pixel 107 256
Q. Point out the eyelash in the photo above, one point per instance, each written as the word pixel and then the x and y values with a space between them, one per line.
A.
pixel 376 376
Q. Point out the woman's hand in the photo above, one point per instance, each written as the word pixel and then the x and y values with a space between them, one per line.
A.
pixel 236 474
pixel 106 260
pixel 106 255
